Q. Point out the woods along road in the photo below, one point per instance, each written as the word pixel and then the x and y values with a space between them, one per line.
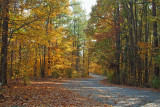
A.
pixel 111 95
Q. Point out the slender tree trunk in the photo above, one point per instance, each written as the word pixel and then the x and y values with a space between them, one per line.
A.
pixel 5 13
pixel 35 66
pixel 11 72
pixel 140 64
pixel 49 50
pixel 40 62
pixel 83 59
pixel 136 41
pixel 20 54
pixel 49 58
pixel 44 62
pixel 1 17
pixel 117 30
pixel 84 55
pixel 88 60
pixel 132 50
pixel 45 50
pixel 77 59
pixel 156 70
pixel 125 55
pixel 146 40
pixel 74 43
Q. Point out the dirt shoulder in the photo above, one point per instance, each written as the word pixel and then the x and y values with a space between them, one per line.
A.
pixel 107 83
pixel 46 92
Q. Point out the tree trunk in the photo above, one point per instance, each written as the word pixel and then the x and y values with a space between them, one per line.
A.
pixel 35 66
pixel 1 18
pixel 117 25
pixel 43 62
pixel 41 58
pixel 135 45
pixel 88 61
pixel 132 50
pixel 11 72
pixel 77 59
pixel 156 70
pixel 84 54
pixel 20 54
pixel 146 40
pixel 43 72
pixel 140 65
pixel 5 13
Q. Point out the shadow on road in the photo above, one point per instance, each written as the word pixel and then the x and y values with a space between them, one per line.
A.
pixel 116 96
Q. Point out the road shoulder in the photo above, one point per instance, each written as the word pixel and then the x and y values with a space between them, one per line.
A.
pixel 107 83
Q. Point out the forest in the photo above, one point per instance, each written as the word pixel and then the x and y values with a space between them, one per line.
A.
pixel 127 46
pixel 55 38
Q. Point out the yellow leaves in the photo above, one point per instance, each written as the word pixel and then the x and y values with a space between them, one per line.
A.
pixel 145 45
pixel 95 68
pixel 34 33
pixel 69 49
pixel 145 48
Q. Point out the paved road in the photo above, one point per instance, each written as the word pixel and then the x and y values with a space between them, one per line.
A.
pixel 114 96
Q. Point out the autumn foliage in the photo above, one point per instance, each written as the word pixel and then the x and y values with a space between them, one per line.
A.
pixel 126 47
pixel 39 40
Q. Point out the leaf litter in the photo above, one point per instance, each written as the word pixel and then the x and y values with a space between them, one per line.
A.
pixel 43 92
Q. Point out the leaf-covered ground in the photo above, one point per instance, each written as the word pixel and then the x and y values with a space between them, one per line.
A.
pixel 47 92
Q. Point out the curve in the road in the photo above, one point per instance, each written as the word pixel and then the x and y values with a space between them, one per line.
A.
pixel 115 96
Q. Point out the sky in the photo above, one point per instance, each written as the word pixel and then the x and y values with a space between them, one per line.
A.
pixel 87 4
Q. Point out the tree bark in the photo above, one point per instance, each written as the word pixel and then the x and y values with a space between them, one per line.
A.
pixel 132 45
pixel 146 40
pixel 35 66
pixel 77 59
pixel 156 69
pixel 84 54
pixel 43 62
pixel 5 18
pixel 135 45
pixel 11 72
pixel 140 61
pixel 1 17
pixel 117 30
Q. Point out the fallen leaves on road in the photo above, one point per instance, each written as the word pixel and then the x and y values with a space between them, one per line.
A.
pixel 48 92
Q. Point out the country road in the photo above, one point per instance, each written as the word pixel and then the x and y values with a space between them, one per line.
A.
pixel 115 96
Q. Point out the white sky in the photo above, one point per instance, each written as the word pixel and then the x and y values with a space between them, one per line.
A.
pixel 87 4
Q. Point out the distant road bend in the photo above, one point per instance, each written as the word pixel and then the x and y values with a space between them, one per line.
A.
pixel 115 96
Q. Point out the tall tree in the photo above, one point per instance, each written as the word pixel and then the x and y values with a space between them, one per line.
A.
pixel 77 26
pixel 1 17
pixel 5 19
pixel 118 47
pixel 155 35
pixel 132 47
pixel 146 40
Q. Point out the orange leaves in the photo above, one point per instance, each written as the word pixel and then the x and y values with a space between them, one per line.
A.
pixel 102 36
pixel 95 68
pixel 145 48
pixel 144 45
pixel 48 92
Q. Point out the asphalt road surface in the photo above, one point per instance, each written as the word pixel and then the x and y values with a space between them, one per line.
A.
pixel 115 96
